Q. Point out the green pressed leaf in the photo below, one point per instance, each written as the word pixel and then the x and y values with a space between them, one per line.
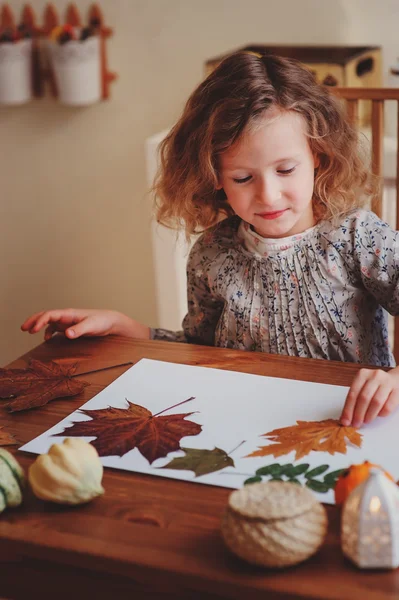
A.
pixel 287 469
pixel 276 478
pixel 263 470
pixel 252 480
pixel 294 470
pixel 318 486
pixel 274 469
pixel 289 472
pixel 294 480
pixel 201 462
pixel 299 469
pixel 333 476
pixel 317 471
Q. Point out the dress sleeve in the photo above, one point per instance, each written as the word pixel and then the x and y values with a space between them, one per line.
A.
pixel 375 258
pixel 204 307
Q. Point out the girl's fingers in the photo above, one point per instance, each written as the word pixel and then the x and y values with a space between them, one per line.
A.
pixel 42 320
pixel 87 326
pixel 27 324
pixel 73 328
pixel 377 402
pixel 48 334
pixel 64 317
pixel 390 404
pixel 351 399
pixel 363 401
pixel 73 322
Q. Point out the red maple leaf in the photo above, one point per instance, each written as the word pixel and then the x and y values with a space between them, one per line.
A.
pixel 38 384
pixel 118 431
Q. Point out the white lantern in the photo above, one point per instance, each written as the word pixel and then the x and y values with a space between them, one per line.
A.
pixel 370 523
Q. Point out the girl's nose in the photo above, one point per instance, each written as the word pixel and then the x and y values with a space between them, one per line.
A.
pixel 268 192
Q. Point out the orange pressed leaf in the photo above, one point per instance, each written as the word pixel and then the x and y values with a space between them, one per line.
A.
pixel 119 430
pixel 307 436
pixel 38 384
pixel 6 439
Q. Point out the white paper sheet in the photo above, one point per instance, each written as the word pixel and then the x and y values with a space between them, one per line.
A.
pixel 232 408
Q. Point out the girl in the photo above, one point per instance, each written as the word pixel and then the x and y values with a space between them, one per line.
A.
pixel 264 162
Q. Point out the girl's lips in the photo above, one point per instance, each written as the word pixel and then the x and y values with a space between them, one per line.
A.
pixel 271 215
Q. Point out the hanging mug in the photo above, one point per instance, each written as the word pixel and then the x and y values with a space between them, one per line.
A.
pixel 16 72
pixel 77 70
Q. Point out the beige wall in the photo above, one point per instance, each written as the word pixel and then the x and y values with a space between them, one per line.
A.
pixel 74 216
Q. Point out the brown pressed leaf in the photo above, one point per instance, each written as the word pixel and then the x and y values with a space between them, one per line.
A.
pixel 6 439
pixel 119 430
pixel 38 384
pixel 323 436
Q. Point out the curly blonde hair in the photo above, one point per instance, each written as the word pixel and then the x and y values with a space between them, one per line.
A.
pixel 229 101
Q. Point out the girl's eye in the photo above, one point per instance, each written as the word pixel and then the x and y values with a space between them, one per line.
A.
pixel 243 180
pixel 286 171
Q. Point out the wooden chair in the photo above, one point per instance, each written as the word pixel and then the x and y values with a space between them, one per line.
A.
pixel 377 96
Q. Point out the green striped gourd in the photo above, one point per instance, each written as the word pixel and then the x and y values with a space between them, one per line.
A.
pixel 11 480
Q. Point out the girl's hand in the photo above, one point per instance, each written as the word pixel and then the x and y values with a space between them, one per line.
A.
pixel 74 322
pixel 373 393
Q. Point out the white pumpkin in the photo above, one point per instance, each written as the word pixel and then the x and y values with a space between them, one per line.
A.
pixel 70 473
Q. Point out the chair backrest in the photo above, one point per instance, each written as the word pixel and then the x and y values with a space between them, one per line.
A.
pixel 377 96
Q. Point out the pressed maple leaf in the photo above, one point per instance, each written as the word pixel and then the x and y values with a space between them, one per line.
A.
pixel 119 430
pixel 6 439
pixel 307 436
pixel 201 462
pixel 38 384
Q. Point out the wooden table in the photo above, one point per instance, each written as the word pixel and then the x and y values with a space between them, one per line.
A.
pixel 151 537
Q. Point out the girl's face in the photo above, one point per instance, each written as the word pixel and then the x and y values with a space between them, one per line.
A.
pixel 268 176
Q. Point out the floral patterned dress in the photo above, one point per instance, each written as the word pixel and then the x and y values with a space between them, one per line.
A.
pixel 323 293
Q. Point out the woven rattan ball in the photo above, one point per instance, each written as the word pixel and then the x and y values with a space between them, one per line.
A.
pixel 274 524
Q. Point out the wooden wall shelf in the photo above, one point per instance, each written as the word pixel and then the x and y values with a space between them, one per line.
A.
pixel 42 73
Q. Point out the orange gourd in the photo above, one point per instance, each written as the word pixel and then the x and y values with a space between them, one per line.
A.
pixel 351 478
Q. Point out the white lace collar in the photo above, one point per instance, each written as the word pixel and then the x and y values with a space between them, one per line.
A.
pixel 254 242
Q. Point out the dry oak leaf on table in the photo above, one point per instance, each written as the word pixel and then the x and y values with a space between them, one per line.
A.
pixel 307 436
pixel 119 430
pixel 6 439
pixel 38 384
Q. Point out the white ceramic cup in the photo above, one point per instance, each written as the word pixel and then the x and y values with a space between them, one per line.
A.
pixel 77 70
pixel 16 72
